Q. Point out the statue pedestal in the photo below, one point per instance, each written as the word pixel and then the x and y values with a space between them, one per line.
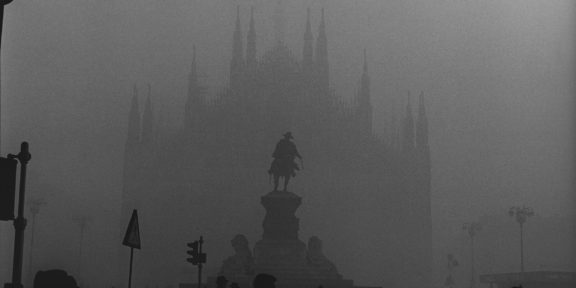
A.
pixel 282 254
pixel 280 223
pixel 280 246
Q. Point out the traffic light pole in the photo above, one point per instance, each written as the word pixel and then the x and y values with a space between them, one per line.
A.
pixel 198 258
pixel 200 263
pixel 20 222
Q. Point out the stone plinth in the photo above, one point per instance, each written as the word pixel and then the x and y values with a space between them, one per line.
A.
pixel 281 253
pixel 280 223
pixel 280 247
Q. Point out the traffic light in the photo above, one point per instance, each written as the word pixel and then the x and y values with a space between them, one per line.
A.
pixel 202 257
pixel 195 252
pixel 7 187
pixel 197 256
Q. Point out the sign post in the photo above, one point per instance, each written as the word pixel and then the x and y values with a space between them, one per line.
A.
pixel 132 240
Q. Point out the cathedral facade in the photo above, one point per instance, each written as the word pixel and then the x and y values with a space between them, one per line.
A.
pixel 367 196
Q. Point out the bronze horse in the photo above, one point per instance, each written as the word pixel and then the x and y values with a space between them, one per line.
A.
pixel 283 164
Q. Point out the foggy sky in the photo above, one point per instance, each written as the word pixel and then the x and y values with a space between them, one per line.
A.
pixel 497 77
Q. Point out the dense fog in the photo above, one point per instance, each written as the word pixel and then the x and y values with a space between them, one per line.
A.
pixel 497 79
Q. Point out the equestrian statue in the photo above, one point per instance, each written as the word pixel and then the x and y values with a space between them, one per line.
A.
pixel 283 164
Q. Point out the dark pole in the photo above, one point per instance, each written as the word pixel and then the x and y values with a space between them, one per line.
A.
pixel 130 273
pixel 20 222
pixel 521 214
pixel 82 227
pixel 473 273
pixel 200 263
pixel 521 248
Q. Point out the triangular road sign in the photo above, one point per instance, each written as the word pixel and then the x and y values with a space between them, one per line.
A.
pixel 132 236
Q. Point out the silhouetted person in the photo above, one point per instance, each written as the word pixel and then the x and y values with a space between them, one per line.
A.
pixel 264 281
pixel 242 261
pixel 54 279
pixel 283 164
pixel 234 285
pixel 221 282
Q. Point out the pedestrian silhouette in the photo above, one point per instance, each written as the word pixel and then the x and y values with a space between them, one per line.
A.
pixel 54 279
pixel 264 281
pixel 221 282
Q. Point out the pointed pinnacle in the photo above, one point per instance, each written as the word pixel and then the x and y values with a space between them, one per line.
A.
pixel 422 107
pixel 421 98
pixel 365 62
pixel 193 53
pixel 251 26
pixel 238 17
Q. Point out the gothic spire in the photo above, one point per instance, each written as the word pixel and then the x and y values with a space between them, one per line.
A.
pixel 364 93
pixel 193 76
pixel 237 54
pixel 279 22
pixel 408 128
pixel 307 53
pixel 147 119
pixel 364 105
pixel 322 54
pixel 192 99
pixel 391 129
pixel 251 41
pixel 365 68
pixel 133 135
pixel 421 125
pixel 237 45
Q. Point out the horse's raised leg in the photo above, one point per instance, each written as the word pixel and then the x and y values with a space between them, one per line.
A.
pixel 276 180
pixel 286 180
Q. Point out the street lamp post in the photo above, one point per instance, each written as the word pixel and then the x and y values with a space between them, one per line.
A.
pixel 521 214
pixel 472 229
pixel 20 222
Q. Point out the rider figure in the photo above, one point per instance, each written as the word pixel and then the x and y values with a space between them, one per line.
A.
pixel 283 164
